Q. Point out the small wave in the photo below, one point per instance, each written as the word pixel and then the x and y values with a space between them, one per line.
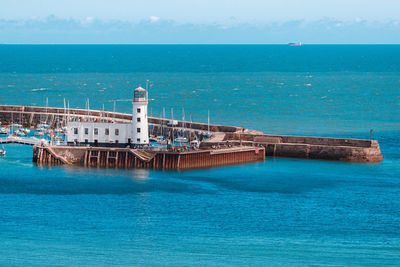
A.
pixel 308 84
pixel 40 89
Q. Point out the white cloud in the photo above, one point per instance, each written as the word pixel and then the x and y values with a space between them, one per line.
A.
pixel 154 19
pixel 87 21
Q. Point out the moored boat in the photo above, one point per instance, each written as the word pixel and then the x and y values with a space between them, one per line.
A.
pixel 4 130
pixel 2 152
pixel 40 133
pixel 20 133
pixel 181 139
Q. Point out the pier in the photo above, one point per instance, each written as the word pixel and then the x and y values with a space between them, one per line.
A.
pixel 342 149
pixel 150 159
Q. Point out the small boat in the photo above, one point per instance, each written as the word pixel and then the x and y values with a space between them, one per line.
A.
pixel 180 139
pixel 153 139
pixel 161 140
pixel 2 152
pixel 26 130
pixel 20 133
pixel 13 137
pixel 4 130
pixel 195 143
pixel 16 126
pixel 43 126
pixel 39 133
pixel 206 134
pixel 294 44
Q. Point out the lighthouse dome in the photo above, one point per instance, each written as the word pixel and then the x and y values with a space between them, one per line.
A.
pixel 139 94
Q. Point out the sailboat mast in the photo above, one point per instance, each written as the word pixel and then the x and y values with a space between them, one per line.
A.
pixel 208 122
pixel 183 118
pixel 162 122
pixel 65 111
pixel 88 109
pixel 68 112
pixel 12 123
pixel 172 117
pixel 102 111
pixel 47 104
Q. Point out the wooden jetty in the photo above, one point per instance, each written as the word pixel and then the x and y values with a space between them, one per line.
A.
pixel 140 158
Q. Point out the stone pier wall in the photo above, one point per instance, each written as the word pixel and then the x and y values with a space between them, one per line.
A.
pixel 342 149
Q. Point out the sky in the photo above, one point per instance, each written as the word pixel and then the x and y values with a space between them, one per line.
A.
pixel 217 21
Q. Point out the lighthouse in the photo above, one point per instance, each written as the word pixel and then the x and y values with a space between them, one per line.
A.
pixel 140 126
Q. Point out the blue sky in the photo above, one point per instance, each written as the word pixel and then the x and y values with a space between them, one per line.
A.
pixel 195 21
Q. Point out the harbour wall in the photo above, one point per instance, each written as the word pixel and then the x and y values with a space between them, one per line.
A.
pixel 342 149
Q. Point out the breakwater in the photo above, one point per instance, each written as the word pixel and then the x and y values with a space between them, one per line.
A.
pixel 342 149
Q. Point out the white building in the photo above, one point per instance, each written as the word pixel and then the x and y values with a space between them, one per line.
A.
pixel 114 134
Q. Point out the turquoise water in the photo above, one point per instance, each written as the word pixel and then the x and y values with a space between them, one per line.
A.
pixel 279 212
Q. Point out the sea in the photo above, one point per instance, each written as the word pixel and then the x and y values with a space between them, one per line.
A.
pixel 281 212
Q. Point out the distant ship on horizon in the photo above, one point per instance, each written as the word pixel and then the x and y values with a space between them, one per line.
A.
pixel 294 44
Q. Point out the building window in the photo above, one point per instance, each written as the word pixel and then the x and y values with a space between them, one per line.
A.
pixel 138 119
pixel 138 110
pixel 86 130
pixel 75 130
pixel 138 140
pixel 116 142
pixel 138 130
pixel 116 131
pixel 107 131
pixel 96 131
pixel 86 141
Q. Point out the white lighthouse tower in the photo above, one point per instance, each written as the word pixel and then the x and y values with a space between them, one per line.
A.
pixel 140 126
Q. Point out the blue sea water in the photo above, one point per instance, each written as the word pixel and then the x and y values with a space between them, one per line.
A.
pixel 278 212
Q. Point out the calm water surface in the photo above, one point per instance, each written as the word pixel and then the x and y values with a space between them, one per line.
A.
pixel 279 212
